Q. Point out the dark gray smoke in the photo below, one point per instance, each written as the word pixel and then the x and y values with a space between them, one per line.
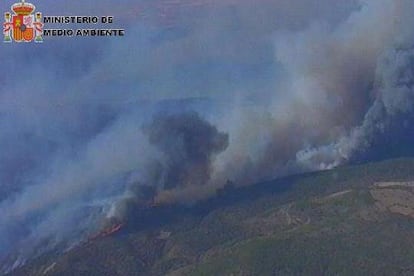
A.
pixel 188 144
pixel 390 116
pixel 250 90
pixel 185 147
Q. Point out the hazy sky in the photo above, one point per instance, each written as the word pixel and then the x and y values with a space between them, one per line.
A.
pixel 293 85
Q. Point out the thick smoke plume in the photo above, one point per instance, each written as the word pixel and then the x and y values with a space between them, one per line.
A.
pixel 188 143
pixel 187 146
pixel 215 91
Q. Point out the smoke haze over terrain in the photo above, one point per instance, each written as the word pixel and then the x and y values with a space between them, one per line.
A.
pixel 211 91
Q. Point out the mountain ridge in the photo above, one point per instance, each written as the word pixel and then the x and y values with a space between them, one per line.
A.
pixel 320 222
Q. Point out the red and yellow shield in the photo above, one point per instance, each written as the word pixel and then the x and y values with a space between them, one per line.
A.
pixel 23 29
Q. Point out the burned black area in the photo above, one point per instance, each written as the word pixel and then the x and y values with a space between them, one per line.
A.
pixel 149 216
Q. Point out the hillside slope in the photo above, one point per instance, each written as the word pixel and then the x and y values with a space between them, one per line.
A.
pixel 354 220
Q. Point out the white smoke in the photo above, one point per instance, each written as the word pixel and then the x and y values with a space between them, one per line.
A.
pixel 305 86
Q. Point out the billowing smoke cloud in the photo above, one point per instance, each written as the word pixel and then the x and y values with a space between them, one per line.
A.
pixel 188 144
pixel 344 92
pixel 215 91
pixel 390 114
pixel 187 147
